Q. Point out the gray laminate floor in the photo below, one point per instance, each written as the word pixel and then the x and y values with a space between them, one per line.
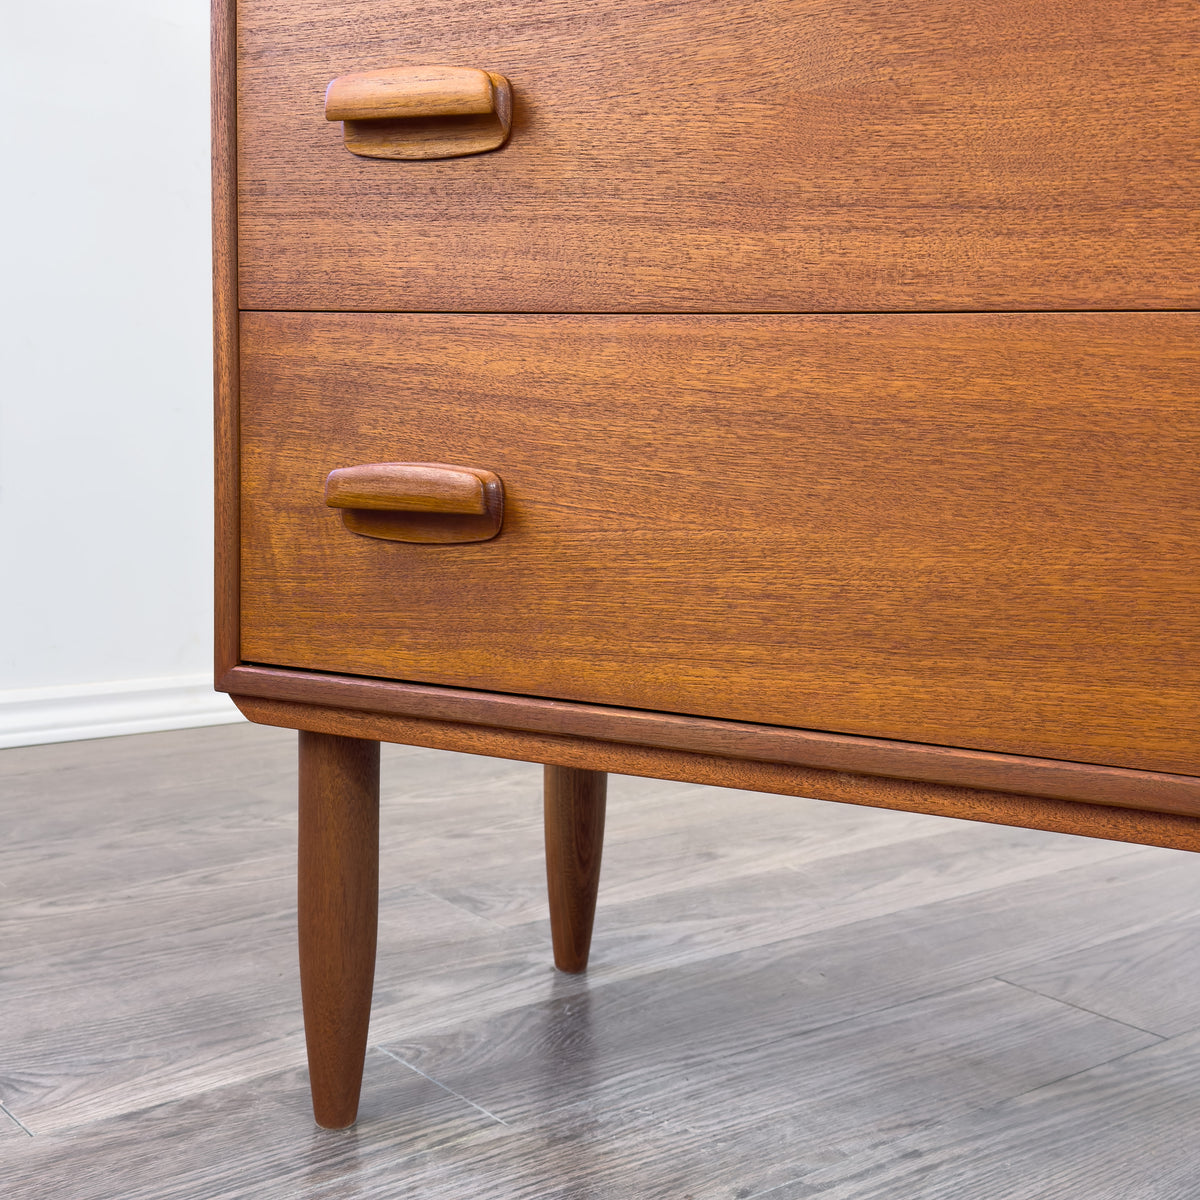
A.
pixel 787 999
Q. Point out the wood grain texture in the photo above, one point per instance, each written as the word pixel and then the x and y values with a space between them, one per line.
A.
pixel 424 487
pixel 1110 978
pixel 225 333
pixel 1075 1128
pixel 736 155
pixel 198 937
pixel 10 1127
pixel 814 1012
pixel 338 915
pixel 890 1064
pixel 685 851
pixel 1059 816
pixel 437 91
pixel 989 541
pixel 574 806
pixel 1152 790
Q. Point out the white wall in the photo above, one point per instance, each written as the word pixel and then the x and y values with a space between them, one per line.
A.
pixel 105 370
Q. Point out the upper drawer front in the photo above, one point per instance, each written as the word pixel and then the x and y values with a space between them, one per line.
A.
pixel 978 530
pixel 735 155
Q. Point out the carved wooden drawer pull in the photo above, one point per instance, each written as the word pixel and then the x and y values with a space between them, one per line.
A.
pixel 421 112
pixel 418 502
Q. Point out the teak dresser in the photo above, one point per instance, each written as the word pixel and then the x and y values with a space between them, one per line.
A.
pixel 794 395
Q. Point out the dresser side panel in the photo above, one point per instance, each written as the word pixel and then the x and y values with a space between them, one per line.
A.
pixel 225 335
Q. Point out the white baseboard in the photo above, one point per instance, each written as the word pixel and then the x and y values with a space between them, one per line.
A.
pixel 33 716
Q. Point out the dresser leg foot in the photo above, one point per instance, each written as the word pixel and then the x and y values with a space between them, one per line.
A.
pixel 574 803
pixel 338 913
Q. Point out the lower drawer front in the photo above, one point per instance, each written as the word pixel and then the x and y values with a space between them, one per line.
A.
pixel 973 530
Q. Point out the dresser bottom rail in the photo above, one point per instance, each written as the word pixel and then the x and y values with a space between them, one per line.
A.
pixel 1173 830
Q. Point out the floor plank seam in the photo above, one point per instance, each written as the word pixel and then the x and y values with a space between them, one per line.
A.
pixel 16 1120
pixel 871 1168
pixel 1107 1062
pixel 1162 1037
pixel 1141 929
pixel 809 1030
pixel 437 1083
pixel 595 980
pixel 791 1183
pixel 961 986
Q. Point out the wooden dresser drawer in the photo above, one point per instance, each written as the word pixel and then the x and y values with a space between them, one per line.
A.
pixel 978 530
pixel 839 362
pixel 735 155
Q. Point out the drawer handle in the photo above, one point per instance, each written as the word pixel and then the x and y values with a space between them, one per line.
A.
pixel 421 112
pixel 418 502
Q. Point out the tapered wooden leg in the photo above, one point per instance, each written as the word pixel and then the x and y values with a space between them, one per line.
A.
pixel 574 802
pixel 339 908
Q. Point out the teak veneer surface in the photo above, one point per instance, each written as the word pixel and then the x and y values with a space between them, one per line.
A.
pixel 969 531
pixel 225 335
pixel 735 155
pixel 937 799
pixel 1154 791
pixel 338 910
